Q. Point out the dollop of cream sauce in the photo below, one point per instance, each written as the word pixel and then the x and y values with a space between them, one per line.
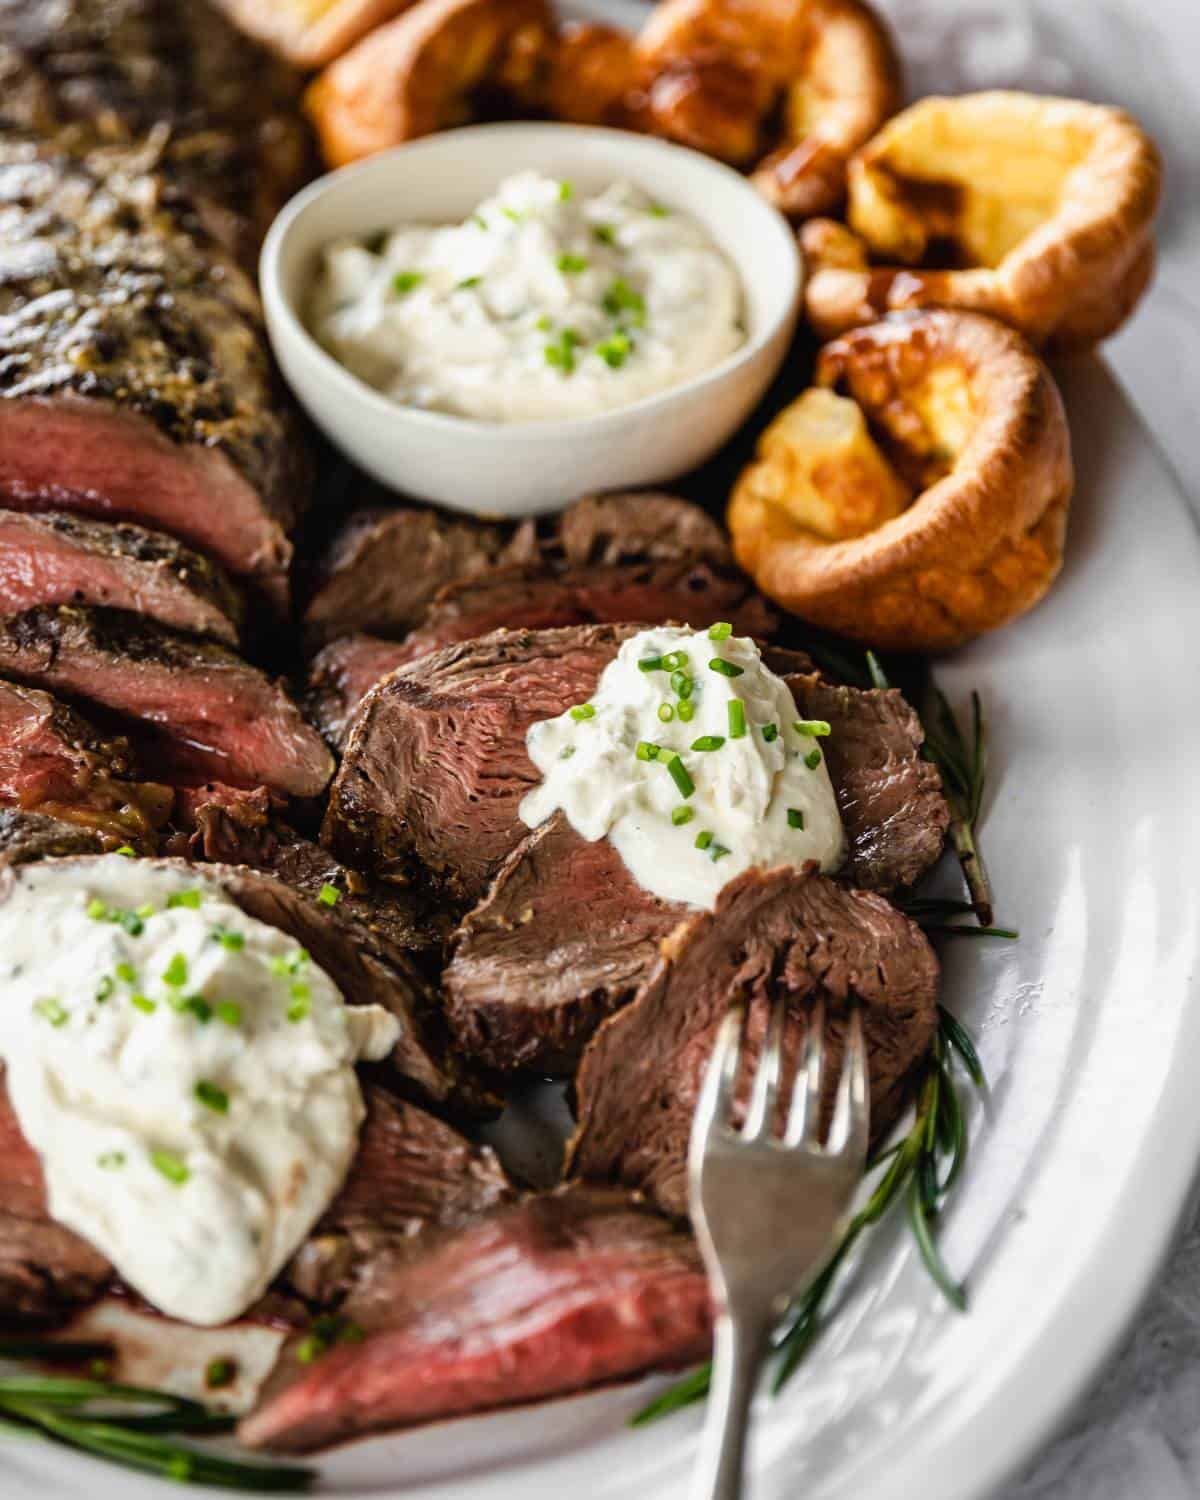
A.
pixel 185 1073
pixel 545 303
pixel 620 767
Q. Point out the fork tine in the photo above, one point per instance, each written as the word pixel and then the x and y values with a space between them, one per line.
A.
pixel 761 1114
pixel 715 1104
pixel 850 1131
pixel 804 1118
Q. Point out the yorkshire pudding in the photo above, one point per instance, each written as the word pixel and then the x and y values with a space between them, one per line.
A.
pixel 1037 211
pixel 951 407
pixel 311 32
pixel 420 72
pixel 716 76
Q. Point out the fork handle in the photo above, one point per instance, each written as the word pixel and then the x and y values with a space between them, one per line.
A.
pixel 737 1354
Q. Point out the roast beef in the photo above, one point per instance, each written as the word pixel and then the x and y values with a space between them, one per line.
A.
pixel 637 526
pixel 52 759
pixel 890 798
pixel 435 766
pixel 800 937
pixel 555 1294
pixel 384 567
pixel 341 676
pixel 564 937
pixel 135 378
pixel 63 559
pixel 28 836
pixel 210 709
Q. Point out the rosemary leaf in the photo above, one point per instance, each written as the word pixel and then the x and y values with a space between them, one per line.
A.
pixel 957 1037
pixel 919 1218
pixel 693 1387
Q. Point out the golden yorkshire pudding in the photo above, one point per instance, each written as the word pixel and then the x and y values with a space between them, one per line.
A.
pixel 423 72
pixel 587 76
pixel 949 407
pixel 805 81
pixel 311 32
pixel 1037 211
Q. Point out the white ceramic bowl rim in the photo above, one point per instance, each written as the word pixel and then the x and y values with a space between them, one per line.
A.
pixel 773 223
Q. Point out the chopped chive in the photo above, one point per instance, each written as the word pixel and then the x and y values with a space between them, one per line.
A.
pixel 145 910
pixel 97 909
pixel 233 941
pixel 300 990
pixel 199 1007
pixel 212 1097
pixel 513 214
pixel 583 711
pixel 110 1159
pixel 105 988
pixel 403 282
pixel 543 324
pixel 467 283
pixel 737 719
pixel 310 1347
pixel 171 1167
pixel 703 839
pixel 679 774
pixel 708 742
pixel 51 1010
pixel 682 815
pixel 144 1004
pixel 682 682
pixel 725 668
pixel 571 265
pixel 795 818
pixel 716 852
pixel 219 1373
pixel 561 355
pixel 329 895
pixel 229 1012
pixel 279 966
pixel 813 728
pixel 650 664
pixel 615 349
pixel 686 711
pixel 621 298
pixel 665 712
pixel 605 233
pixel 127 850
pixel 646 750
pixel 565 191
pixel 675 661
pixel 184 898
pixel 813 759
pixel 566 752
pixel 298 1010
pixel 770 733
pixel 657 211
pixel 131 922
pixel 479 221
pixel 721 631
pixel 176 972
pixel 126 973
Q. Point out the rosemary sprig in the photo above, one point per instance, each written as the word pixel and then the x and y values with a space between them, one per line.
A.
pixel 923 1166
pixel 962 762
pixel 126 1424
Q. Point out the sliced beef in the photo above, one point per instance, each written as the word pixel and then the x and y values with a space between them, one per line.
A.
pixel 384 568
pixel 213 710
pixel 558 1293
pixel 564 937
pixel 638 526
pixel 27 836
pixel 45 1269
pixel 799 936
pixel 52 759
pixel 58 558
pixel 435 766
pixel 890 798
pixel 135 379
pixel 341 676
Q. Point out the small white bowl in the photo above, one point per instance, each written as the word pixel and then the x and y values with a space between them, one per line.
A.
pixel 527 468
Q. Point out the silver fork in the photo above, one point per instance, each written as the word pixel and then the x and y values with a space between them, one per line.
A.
pixel 767 1211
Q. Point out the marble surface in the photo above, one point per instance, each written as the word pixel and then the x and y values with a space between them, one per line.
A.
pixel 1136 1437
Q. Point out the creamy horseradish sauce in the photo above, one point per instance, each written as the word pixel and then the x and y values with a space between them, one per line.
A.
pixel 545 303
pixel 691 758
pixel 185 1073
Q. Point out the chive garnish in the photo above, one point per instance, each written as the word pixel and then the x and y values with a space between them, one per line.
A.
pixel 219 1373
pixel 795 818
pixel 565 190
pixel 300 990
pixel 51 1010
pixel 212 1097
pixel 725 668
pixel 467 283
pixel 97 910
pixel 605 233
pixel 145 910
pixel 176 972
pixel 110 1159
pixel 566 752
pixel 703 839
pixel 679 774
pixel 675 661
pixel 686 711
pixel 571 265
pixel 716 852
pixel 650 664
pixel 561 355
pixel 621 298
pixel 646 750
pixel 126 973
pixel 813 759
pixel 184 898
pixel 583 711
pixel 665 712
pixel 131 922
pixel 127 850
pixel 144 1004
pixel 329 895
pixel 615 349
pixel 657 211
pixel 721 631
pixel 682 683
pixel 233 941
pixel 229 1012
pixel 298 1010
pixel 171 1167
pixel 737 719
pixel 813 728
pixel 770 732
pixel 708 742
pixel 199 1007
pixel 105 988
pixel 682 815
pixel 403 282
